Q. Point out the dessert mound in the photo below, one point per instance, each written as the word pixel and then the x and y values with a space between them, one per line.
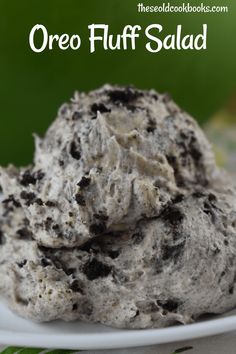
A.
pixel 123 219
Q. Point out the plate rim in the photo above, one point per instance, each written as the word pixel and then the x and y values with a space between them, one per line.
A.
pixel 122 338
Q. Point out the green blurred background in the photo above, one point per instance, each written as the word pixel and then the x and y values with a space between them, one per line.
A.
pixel 33 86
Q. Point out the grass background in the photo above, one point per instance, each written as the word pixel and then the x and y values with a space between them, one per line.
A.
pixel 32 86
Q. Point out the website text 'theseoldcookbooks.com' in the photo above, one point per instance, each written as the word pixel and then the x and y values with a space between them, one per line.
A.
pixel 184 7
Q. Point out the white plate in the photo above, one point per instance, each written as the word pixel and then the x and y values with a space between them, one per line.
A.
pixel 77 335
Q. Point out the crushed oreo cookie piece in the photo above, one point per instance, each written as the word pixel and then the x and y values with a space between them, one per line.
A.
pixel 137 237
pixel 39 201
pixel 50 204
pixel 101 217
pixel 84 182
pixel 172 215
pixel 29 197
pixel 97 228
pixel 76 287
pixel 11 200
pixel 178 199
pixel 27 178
pixel 80 199
pixel 45 262
pixel 114 254
pixel 1 238
pixel 74 151
pixel 124 96
pixel 24 233
pixel 99 107
pixel 95 269
pixel 77 115
pixel 48 223
pixel 169 305
pixel 22 264
pixel 172 252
